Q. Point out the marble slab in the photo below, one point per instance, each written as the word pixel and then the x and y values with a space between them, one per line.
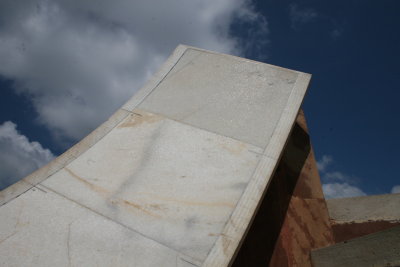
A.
pixel 41 228
pixel 169 181
pixel 234 97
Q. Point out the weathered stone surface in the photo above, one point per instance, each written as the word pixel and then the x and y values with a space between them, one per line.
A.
pixel 253 97
pixel 345 231
pixel 42 228
pixel 181 168
pixel 359 216
pixel 364 209
pixel 378 249
pixel 173 183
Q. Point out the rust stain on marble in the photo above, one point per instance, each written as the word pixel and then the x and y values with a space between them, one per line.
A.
pixel 93 187
pixel 139 117
pixel 194 203
pixel 235 150
pixel 139 207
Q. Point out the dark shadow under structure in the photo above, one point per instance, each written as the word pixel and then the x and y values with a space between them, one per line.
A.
pixel 292 218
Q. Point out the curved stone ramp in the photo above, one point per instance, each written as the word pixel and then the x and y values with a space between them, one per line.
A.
pixel 173 178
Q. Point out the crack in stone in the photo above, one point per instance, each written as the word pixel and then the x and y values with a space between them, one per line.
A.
pixel 13 233
pixel 68 244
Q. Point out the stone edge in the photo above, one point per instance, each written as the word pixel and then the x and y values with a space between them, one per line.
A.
pixel 229 242
pixel 340 213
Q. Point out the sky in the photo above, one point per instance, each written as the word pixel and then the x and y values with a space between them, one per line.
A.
pixel 67 65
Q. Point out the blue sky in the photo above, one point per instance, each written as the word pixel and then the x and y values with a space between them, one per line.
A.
pixel 67 65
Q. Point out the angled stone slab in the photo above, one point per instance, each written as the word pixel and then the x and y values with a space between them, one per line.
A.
pixel 359 216
pixel 364 209
pixel 183 164
pixel 378 249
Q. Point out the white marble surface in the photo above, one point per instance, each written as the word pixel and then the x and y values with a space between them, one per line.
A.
pixel 234 97
pixel 172 179
pixel 41 228
pixel 169 181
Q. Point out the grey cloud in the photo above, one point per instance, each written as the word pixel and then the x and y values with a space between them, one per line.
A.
pixel 18 155
pixel 80 60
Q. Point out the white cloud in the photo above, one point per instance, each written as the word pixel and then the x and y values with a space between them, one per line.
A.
pixel 341 190
pixel 300 15
pixel 338 176
pixel 18 156
pixel 395 189
pixel 324 162
pixel 80 60
pixel 337 184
